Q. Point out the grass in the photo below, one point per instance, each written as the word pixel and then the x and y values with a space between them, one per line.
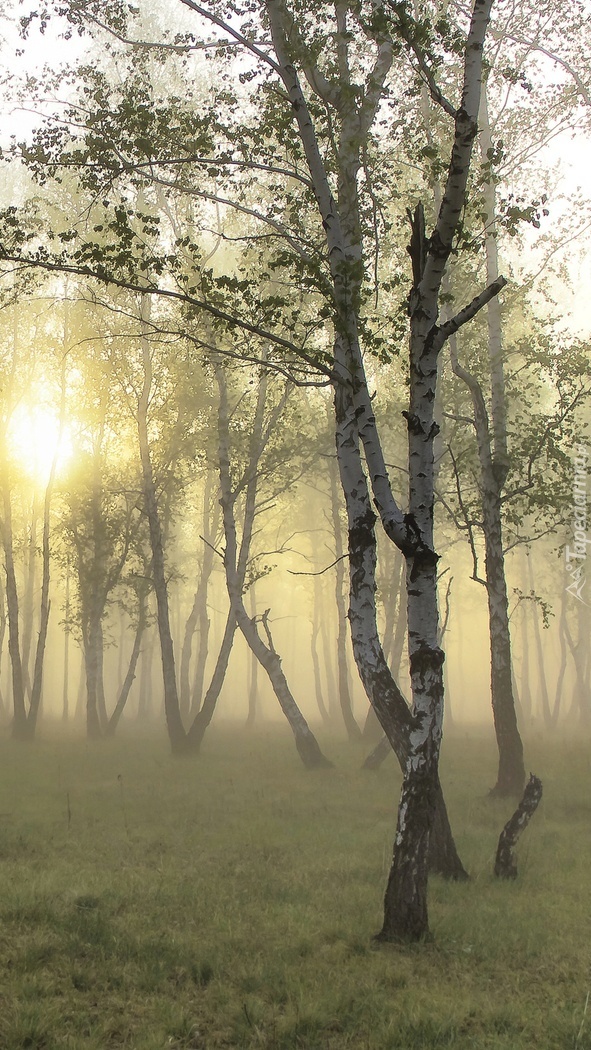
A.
pixel 229 902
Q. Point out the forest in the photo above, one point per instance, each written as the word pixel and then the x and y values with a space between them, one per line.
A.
pixel 295 378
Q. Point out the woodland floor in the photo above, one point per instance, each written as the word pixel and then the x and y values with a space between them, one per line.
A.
pixel 229 901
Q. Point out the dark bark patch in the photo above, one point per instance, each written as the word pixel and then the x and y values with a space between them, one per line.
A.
pixel 426 659
pixel 413 423
pixel 423 561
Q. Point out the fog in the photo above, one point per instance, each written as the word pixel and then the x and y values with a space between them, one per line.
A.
pixel 298 588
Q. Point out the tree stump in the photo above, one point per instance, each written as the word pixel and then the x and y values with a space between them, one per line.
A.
pixel 505 864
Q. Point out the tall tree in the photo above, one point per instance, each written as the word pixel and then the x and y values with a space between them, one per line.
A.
pixel 335 75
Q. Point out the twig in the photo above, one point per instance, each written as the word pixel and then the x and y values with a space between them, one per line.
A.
pixel 320 573
pixel 211 546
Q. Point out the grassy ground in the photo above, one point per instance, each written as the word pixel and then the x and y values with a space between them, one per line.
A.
pixel 230 902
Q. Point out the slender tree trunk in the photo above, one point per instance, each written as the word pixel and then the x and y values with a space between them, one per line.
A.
pixel 81 692
pixel 66 683
pixel 45 605
pixel 381 749
pixel 28 597
pixel 3 707
pixel 253 670
pixel 563 660
pixel 204 624
pixel 329 671
pixel 93 656
pixel 511 771
pixel 176 731
pixel 205 714
pixel 353 730
pixel 19 724
pixel 144 708
pixel 543 682
pixel 113 721
pixel 186 651
pixel 199 616
pixel 314 653
pixel 121 646
pixel 235 566
pixel 584 672
pixel 526 694
pixel 405 912
pixel 306 743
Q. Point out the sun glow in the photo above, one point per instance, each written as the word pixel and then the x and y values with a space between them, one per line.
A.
pixel 34 441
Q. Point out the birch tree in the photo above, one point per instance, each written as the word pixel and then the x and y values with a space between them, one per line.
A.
pixel 236 558
pixel 530 67
pixel 325 83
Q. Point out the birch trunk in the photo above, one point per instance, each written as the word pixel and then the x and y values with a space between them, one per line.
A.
pixel 66 663
pixel 199 614
pixel 45 603
pixel 44 611
pixel 353 730
pixel 332 703
pixel 144 707
pixel 128 681
pixel 205 714
pixel 28 613
pixel 416 738
pixel 186 653
pixel 253 670
pixel 511 771
pixel 93 656
pixel 19 723
pixel 235 567
pixel 316 617
pixel 3 706
pixel 174 723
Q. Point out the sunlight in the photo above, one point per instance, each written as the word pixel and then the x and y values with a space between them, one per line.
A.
pixel 34 438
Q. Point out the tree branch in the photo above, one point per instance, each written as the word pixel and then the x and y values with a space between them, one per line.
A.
pixel 167 293
pixel 442 332
pixel 292 572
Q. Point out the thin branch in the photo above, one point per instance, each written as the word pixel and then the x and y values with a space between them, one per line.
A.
pixel 322 571
pixel 443 332
pixel 167 293
pixel 211 547
pixel 238 37
pixel 475 576
pixel 534 46
pixel 468 420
